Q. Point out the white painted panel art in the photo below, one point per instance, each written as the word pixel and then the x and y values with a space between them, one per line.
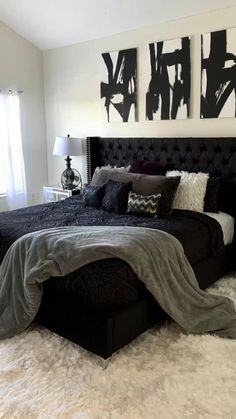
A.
pixel 218 87
pixel 168 92
pixel 118 85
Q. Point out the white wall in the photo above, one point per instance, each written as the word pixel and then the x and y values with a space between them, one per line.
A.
pixel 72 87
pixel 21 67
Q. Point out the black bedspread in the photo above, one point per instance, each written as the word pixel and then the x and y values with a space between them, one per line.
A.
pixel 112 280
pixel 200 235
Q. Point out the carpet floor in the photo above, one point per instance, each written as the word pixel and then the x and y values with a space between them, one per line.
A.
pixel 163 374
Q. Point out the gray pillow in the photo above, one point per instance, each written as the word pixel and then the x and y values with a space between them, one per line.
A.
pixel 144 185
pixel 102 176
pixel 105 172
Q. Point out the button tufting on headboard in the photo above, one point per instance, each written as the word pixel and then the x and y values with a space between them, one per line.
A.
pixel 214 155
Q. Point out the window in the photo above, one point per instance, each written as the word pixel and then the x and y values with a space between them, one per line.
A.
pixel 2 176
pixel 12 171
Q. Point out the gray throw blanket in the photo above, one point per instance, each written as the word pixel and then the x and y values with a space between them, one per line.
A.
pixel 156 257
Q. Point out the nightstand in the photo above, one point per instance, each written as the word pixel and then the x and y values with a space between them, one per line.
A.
pixel 55 193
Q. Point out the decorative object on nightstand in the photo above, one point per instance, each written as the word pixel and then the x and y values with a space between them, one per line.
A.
pixel 68 146
pixel 55 193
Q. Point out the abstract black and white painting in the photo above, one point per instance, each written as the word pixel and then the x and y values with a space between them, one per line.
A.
pixel 218 89
pixel 168 95
pixel 118 86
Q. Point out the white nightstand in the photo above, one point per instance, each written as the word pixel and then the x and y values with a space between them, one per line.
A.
pixel 55 193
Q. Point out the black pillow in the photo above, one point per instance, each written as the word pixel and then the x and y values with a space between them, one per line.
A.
pixel 93 195
pixel 166 186
pixel 150 168
pixel 227 196
pixel 211 201
pixel 116 197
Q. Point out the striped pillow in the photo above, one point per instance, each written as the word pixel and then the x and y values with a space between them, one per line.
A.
pixel 143 204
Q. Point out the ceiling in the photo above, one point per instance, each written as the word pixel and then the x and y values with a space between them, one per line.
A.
pixel 56 23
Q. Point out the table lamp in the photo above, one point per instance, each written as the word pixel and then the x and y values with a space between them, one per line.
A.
pixel 69 146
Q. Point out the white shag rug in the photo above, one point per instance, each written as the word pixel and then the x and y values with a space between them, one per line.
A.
pixel 163 374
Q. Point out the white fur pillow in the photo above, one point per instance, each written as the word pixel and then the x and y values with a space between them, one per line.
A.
pixel 191 191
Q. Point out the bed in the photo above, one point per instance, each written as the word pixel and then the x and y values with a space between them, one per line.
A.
pixel 103 305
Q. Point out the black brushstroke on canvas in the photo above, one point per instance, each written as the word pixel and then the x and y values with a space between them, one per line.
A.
pixel 161 91
pixel 220 77
pixel 120 90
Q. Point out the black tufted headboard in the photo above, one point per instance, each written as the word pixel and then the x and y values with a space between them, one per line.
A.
pixel 217 156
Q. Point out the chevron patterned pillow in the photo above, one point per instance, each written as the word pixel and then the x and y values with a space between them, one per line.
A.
pixel 143 204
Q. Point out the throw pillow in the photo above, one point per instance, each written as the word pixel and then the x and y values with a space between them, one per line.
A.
pixel 93 195
pixel 149 185
pixel 143 204
pixel 116 197
pixel 227 193
pixel 211 202
pixel 150 168
pixel 191 190
pixel 103 172
pixel 104 175
pixel 145 185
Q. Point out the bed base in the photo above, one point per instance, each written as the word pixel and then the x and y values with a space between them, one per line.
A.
pixel 104 331
pixel 101 332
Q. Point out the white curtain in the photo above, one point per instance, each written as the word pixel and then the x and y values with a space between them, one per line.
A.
pixel 12 171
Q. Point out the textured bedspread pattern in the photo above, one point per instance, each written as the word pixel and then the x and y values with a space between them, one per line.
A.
pixel 156 257
pixel 207 233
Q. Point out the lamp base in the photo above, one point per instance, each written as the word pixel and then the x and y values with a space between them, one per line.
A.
pixel 71 179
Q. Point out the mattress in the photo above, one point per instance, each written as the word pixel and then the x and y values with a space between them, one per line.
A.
pixel 226 222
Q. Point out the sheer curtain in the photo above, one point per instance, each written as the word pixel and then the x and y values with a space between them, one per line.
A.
pixel 12 170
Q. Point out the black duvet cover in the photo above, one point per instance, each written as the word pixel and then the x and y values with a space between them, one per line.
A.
pixel 109 281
